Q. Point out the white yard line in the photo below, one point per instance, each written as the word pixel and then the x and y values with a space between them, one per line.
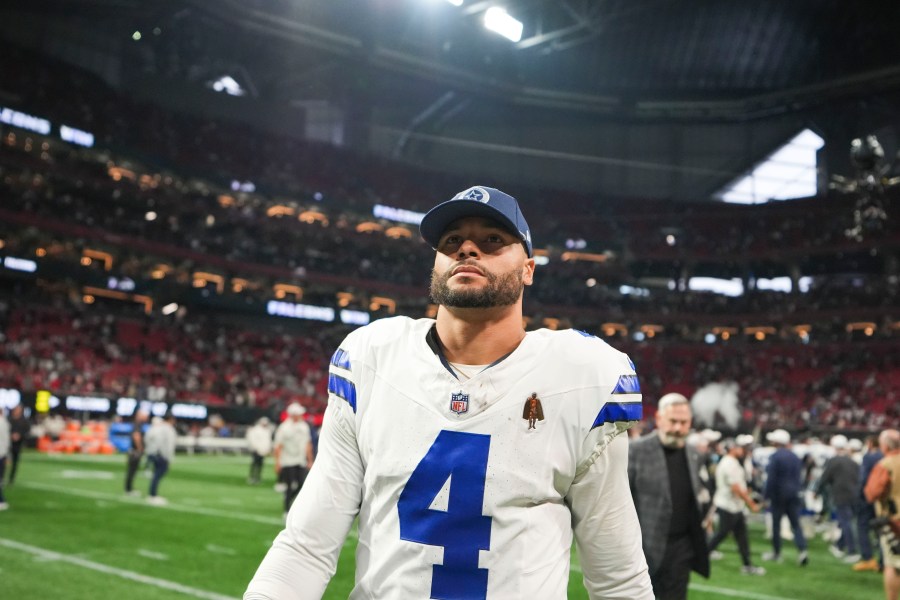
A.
pixel 45 554
pixel 197 510
pixel 702 587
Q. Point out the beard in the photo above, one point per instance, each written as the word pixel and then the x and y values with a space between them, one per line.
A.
pixel 501 290
pixel 672 440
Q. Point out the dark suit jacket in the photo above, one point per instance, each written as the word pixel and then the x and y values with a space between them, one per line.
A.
pixel 649 483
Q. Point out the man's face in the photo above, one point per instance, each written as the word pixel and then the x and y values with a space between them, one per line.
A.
pixel 673 424
pixel 479 264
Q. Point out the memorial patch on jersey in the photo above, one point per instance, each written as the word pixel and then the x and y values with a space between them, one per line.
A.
pixel 533 411
pixel 342 388
pixel 341 359
pixel 459 403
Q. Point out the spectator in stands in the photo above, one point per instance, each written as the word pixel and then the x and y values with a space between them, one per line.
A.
pixel 135 451
pixel 4 451
pixel 841 476
pixel 160 447
pixel 866 512
pixel 664 476
pixel 730 499
pixel 784 482
pixel 293 453
pixel 259 441
pixel 20 429
pixel 883 489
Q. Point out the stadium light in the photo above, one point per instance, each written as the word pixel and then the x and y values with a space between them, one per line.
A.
pixel 499 21
pixel 170 308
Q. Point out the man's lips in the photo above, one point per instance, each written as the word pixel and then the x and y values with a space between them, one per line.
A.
pixel 466 269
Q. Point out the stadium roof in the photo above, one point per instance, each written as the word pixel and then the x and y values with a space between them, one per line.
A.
pixel 427 65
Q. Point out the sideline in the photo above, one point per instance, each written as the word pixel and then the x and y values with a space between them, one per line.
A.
pixel 124 574
pixel 700 587
pixel 197 510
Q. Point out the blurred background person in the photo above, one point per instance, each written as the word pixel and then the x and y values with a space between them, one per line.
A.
pixel 664 476
pixel 160 444
pixel 883 489
pixel 19 430
pixel 841 477
pixel 732 495
pixel 135 451
pixel 293 452
pixel 784 483
pixel 866 511
pixel 259 440
pixel 4 452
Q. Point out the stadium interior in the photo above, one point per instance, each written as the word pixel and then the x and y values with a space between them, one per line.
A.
pixel 198 200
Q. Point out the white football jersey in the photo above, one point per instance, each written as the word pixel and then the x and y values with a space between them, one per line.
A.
pixel 468 489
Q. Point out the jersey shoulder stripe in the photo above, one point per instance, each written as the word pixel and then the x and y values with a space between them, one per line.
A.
pixel 618 411
pixel 627 384
pixel 341 359
pixel 342 388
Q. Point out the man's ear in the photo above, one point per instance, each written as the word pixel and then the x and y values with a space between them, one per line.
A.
pixel 528 272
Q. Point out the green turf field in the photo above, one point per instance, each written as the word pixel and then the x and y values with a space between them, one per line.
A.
pixel 71 534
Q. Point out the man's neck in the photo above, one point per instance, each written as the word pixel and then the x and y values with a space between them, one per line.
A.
pixel 479 336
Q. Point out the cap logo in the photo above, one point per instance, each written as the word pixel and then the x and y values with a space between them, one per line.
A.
pixel 475 193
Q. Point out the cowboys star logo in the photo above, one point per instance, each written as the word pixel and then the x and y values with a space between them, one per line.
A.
pixel 459 403
pixel 475 193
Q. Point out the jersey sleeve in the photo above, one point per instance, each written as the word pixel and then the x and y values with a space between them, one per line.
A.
pixel 606 528
pixel 303 557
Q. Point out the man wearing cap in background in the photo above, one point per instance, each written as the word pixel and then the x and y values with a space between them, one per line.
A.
pixel 424 439
pixel 669 495
pixel 784 482
pixel 293 452
pixel 730 498
pixel 841 476
pixel 259 441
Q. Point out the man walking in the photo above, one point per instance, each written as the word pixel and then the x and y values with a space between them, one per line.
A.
pixel 665 482
pixel 784 481
pixel 730 498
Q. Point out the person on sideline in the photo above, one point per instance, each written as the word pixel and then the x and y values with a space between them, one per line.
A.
pixel 424 440
pixel 730 498
pixel 293 453
pixel 670 506
pixel 841 477
pixel 160 446
pixel 784 483
pixel 259 441
pixel 135 451
pixel 883 489
pixel 19 430
pixel 5 441
pixel 866 511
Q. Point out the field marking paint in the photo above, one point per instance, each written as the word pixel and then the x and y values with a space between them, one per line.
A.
pixel 197 510
pixel 79 474
pixel 700 587
pixel 151 554
pixel 221 550
pixel 124 574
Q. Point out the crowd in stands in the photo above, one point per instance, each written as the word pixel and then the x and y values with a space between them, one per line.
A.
pixel 178 168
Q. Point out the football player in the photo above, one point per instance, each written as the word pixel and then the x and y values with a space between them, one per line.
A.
pixel 433 439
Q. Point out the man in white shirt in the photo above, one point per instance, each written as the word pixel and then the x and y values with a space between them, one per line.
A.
pixel 293 453
pixel 259 440
pixel 159 444
pixel 471 451
pixel 730 499
pixel 5 443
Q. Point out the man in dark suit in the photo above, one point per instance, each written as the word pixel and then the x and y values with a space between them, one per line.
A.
pixel 664 474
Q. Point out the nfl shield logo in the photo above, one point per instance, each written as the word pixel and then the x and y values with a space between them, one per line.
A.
pixel 459 403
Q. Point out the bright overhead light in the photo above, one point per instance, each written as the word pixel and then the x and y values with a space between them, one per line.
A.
pixel 498 20
pixel 170 308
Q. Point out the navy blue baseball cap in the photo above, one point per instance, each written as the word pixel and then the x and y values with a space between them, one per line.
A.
pixel 478 201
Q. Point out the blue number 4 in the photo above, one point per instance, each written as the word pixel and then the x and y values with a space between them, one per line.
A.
pixel 462 530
